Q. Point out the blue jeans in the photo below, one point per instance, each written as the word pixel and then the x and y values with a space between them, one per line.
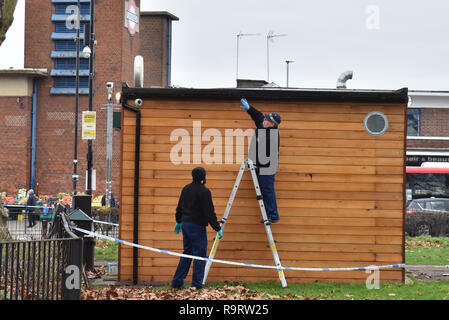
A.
pixel 266 184
pixel 195 243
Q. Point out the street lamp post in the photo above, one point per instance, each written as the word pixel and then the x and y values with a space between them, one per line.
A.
pixel 90 43
pixel 75 176
pixel 110 88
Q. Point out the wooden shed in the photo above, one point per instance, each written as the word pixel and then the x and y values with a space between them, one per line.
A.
pixel 340 182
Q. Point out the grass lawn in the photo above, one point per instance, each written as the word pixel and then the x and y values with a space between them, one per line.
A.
pixel 106 250
pixel 417 290
pixel 427 250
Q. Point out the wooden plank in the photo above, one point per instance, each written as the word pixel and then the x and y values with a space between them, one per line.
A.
pixel 325 160
pixel 303 226
pixel 241 214
pixel 288 151
pixel 128 184
pixel 176 244
pixel 281 237
pixel 305 230
pixel 278 106
pixel 284 133
pixel 311 169
pixel 288 194
pixel 244 124
pixel 287 203
pixel 228 144
pixel 280 176
pixel 229 184
pixel 237 114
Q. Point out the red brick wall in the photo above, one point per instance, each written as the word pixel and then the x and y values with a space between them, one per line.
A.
pixel 114 56
pixel 434 123
pixel 15 138
pixel 154 35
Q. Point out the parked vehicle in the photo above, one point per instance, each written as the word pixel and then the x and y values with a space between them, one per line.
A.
pixel 429 216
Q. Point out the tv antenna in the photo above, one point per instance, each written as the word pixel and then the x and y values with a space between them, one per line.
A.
pixel 239 35
pixel 270 37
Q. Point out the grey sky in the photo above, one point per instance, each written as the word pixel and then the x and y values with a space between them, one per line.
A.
pixel 388 44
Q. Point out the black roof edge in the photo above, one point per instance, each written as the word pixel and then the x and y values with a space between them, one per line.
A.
pixel 328 95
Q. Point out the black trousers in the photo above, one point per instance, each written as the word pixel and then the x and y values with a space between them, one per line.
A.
pixel 31 218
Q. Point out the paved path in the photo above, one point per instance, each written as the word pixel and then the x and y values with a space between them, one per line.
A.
pixel 428 272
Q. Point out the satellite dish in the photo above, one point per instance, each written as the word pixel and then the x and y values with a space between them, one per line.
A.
pixel 138 72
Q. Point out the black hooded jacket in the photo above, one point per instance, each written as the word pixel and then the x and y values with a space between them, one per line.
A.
pixel 195 203
pixel 258 118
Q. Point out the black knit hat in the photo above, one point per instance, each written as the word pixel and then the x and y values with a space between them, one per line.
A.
pixel 274 117
pixel 198 174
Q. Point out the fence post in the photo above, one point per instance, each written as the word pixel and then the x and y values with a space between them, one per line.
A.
pixel 71 277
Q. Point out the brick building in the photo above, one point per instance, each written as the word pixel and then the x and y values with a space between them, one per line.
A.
pixel 428 129
pixel 428 144
pixel 121 33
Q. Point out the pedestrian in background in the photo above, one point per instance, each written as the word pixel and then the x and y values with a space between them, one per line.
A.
pixel 32 201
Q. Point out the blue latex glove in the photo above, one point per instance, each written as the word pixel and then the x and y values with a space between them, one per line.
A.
pixel 245 104
pixel 255 167
pixel 220 234
pixel 178 227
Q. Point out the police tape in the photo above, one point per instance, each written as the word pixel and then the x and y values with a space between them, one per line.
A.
pixel 391 266
pixel 105 222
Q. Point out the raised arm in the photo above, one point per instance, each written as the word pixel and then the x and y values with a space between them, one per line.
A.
pixel 255 114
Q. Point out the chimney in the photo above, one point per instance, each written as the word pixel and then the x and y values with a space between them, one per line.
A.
pixel 156 43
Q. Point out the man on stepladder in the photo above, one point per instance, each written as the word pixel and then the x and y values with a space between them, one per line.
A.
pixel 264 152
pixel 194 212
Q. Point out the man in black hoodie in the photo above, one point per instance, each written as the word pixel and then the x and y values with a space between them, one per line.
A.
pixel 194 212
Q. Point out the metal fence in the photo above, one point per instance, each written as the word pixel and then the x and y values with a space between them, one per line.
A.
pixel 43 269
pixel 106 222
pixel 36 270
pixel 29 223
pixel 25 225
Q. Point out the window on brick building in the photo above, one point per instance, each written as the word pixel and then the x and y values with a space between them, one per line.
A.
pixel 70 82
pixel 67 45
pixel 61 27
pixel 70 64
pixel 413 121
pixel 62 8
pixel 65 49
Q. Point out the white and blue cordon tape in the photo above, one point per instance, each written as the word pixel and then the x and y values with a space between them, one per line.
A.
pixel 105 222
pixel 391 266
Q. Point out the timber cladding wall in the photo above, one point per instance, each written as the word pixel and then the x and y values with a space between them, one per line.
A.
pixel 339 189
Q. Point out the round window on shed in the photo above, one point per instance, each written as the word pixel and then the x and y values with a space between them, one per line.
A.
pixel 376 123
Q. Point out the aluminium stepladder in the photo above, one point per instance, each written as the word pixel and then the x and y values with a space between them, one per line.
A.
pixel 277 261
